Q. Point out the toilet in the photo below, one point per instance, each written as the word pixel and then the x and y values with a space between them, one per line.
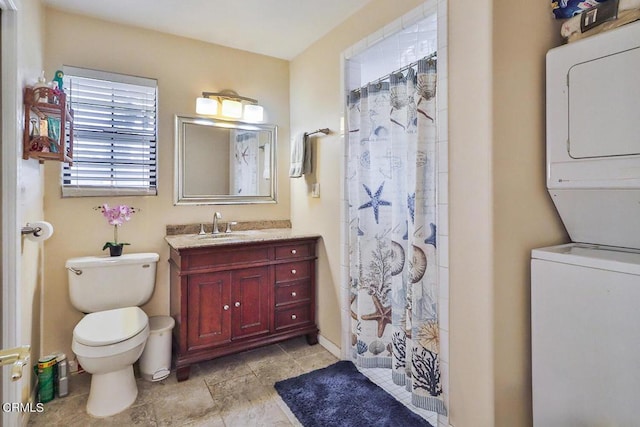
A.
pixel 111 336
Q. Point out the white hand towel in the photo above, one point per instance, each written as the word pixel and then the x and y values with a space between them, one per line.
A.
pixel 298 149
pixel 306 165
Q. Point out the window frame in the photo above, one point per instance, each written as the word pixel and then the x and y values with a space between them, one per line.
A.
pixel 79 190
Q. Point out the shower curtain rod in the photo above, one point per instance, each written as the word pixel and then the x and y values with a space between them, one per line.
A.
pixel 405 68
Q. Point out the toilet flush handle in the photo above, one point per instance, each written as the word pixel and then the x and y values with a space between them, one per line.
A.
pixel 78 272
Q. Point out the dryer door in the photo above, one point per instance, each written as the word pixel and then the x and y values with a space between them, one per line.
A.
pixel 604 106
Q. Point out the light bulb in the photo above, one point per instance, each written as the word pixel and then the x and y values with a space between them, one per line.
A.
pixel 206 106
pixel 231 108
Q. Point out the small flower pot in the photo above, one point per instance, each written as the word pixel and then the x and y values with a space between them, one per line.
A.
pixel 115 250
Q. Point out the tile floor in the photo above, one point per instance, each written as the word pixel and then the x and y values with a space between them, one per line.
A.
pixel 382 377
pixel 231 391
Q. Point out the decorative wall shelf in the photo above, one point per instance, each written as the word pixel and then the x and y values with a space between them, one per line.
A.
pixel 48 127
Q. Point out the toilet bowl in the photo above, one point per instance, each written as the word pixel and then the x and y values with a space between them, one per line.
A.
pixel 107 344
pixel 111 337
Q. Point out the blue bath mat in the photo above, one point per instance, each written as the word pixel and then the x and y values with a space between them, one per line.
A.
pixel 340 396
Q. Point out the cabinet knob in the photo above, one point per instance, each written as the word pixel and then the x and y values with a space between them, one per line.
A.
pixel 293 251
pixel 293 294
pixel 293 272
pixel 237 304
pixel 294 317
pixel 226 307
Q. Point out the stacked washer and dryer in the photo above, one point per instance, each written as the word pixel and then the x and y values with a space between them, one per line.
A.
pixel 585 296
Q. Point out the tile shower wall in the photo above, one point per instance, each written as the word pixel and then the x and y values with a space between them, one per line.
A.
pixel 407 39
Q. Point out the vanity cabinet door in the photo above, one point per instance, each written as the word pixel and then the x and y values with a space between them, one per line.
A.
pixel 209 315
pixel 250 293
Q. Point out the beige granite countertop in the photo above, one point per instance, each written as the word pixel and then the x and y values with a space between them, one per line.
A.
pixel 238 226
pixel 187 241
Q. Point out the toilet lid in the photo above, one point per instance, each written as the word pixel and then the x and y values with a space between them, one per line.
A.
pixel 110 326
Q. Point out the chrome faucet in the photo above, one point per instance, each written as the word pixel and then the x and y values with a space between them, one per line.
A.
pixel 216 217
pixel 229 224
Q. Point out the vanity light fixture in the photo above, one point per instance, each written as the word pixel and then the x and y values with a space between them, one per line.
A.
pixel 206 106
pixel 232 106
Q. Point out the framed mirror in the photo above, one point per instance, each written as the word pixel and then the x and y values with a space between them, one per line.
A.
pixel 224 162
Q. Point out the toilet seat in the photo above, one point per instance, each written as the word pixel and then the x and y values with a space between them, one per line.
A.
pixel 119 348
pixel 109 327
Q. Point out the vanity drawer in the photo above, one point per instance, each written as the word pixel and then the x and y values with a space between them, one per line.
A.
pixel 226 257
pixel 292 271
pixel 294 293
pixel 293 316
pixel 294 250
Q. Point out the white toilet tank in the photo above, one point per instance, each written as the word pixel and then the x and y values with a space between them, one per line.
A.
pixel 105 283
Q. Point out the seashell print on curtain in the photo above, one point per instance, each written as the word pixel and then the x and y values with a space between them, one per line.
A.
pixel 393 269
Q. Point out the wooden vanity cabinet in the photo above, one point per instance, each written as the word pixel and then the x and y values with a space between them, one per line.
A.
pixel 230 298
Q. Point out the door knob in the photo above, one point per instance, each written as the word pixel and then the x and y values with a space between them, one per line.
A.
pixel 293 272
pixel 226 307
pixel 293 294
pixel 19 357
pixel 237 304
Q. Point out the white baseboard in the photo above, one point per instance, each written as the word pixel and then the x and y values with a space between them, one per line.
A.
pixel 331 347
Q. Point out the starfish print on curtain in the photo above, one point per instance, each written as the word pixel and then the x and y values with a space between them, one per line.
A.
pixel 375 201
pixel 382 315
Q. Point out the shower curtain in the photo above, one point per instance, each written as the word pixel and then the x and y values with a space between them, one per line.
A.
pixel 244 177
pixel 392 247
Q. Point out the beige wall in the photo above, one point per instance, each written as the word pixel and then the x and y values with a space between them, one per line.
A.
pixel 30 190
pixel 499 208
pixel 184 68
pixel 471 224
pixel 523 214
pixel 206 143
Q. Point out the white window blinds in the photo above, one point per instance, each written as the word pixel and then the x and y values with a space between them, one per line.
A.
pixel 115 126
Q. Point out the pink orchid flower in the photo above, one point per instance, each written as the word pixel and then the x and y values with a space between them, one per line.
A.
pixel 116 216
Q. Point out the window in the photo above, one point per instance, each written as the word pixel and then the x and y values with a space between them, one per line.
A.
pixel 115 128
